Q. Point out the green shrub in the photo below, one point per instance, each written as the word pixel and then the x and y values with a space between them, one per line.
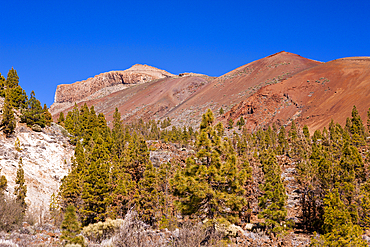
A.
pixel 102 230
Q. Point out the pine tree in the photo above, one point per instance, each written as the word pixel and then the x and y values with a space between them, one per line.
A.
pixel 165 174
pixel 47 116
pixel 18 97
pixel 118 135
pixel 283 143
pixel 20 189
pixel 86 130
pixel 207 119
pixel 71 228
pixel 17 94
pixel 54 209
pixel 137 157
pixel 33 113
pixel 273 201
pixel 8 122
pixel 2 86
pixel 70 191
pixel 357 128
pixel 12 79
pixel 349 172
pixel 123 191
pixel 230 123
pixel 3 185
pixel 95 194
pixel 365 205
pixel 338 227
pixel 220 129
pixel 293 132
pixel 61 119
pixel 96 187
pixel 185 135
pixel 148 198
pixel 221 111
pixel 73 125
pixel 240 123
pixel 212 187
pixel 336 140
pixel 306 132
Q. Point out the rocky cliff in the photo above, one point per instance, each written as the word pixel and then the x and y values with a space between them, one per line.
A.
pixel 46 158
pixel 104 84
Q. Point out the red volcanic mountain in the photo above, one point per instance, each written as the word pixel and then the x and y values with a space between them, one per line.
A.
pixel 314 96
pixel 277 88
pixel 240 84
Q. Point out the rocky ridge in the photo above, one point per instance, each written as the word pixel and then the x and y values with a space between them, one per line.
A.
pixel 104 84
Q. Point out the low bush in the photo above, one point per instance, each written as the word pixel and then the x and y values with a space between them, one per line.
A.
pixel 11 213
pixel 102 230
pixel 134 232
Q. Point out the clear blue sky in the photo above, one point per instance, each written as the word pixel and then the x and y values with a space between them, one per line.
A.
pixel 56 42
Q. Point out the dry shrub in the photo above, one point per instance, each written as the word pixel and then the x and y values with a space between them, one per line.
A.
pixel 11 214
pixel 102 230
pixel 37 214
pixel 134 232
pixel 194 235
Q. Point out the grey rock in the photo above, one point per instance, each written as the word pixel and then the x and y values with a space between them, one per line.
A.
pixel 36 128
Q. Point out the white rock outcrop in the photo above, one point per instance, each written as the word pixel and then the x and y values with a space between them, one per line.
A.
pixel 46 159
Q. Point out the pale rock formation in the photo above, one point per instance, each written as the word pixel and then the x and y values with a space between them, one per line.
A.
pixel 46 159
pixel 103 84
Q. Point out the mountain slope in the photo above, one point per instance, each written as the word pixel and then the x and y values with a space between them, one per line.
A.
pixel 186 98
pixel 239 84
pixel 313 97
pixel 103 84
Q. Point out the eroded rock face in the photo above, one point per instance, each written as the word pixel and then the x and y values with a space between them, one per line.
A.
pixel 104 84
pixel 46 158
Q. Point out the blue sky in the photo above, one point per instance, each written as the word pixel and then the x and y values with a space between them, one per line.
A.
pixel 57 42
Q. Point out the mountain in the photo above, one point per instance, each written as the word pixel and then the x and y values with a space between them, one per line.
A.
pixel 239 84
pixel 275 89
pixel 313 97
pixel 103 84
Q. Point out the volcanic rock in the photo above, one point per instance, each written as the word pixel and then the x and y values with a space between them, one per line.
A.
pixel 103 84
pixel 46 158
pixel 313 97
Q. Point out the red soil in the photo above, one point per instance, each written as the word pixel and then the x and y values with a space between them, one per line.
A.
pixel 313 97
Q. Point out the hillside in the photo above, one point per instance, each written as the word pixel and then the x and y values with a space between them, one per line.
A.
pixel 239 84
pixel 312 97
pixel 186 97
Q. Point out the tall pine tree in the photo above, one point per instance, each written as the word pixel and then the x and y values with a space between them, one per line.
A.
pixel 8 122
pixel 273 201
pixel 211 186
pixel 71 228
pixel 20 189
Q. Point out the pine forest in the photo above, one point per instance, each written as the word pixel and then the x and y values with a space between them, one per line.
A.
pixel 215 184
